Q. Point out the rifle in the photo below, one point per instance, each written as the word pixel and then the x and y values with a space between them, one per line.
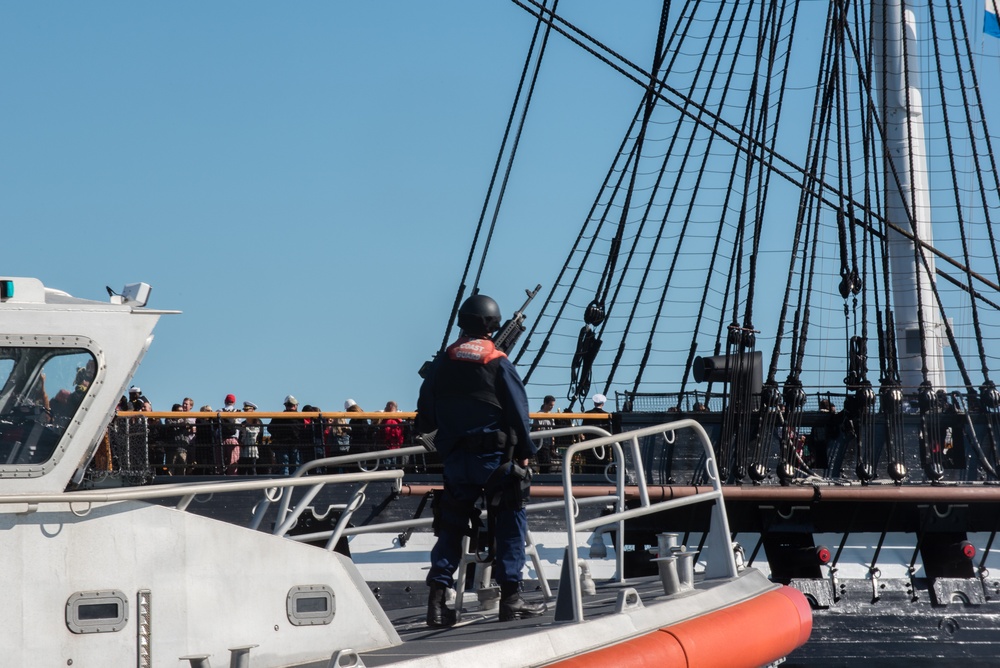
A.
pixel 508 335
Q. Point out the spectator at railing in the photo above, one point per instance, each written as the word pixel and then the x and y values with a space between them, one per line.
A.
pixel 176 435
pixel 596 459
pixel 313 434
pixel 339 435
pixel 360 427
pixel 546 446
pixel 203 442
pixel 150 431
pixel 137 401
pixel 391 435
pixel 250 440
pixel 228 451
pixel 286 438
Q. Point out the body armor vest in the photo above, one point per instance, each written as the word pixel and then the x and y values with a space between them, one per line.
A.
pixel 470 371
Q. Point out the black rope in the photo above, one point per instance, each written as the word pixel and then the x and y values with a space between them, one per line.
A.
pixel 496 168
pixel 721 323
pixel 674 191
pixel 604 285
pixel 858 214
pixel 955 187
pixel 805 197
pixel 982 121
pixel 590 247
pixel 703 116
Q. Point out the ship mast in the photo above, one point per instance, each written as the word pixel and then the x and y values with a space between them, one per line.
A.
pixel 907 198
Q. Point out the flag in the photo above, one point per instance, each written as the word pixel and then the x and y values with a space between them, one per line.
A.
pixel 990 24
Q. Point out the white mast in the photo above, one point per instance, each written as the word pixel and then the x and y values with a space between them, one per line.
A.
pixel 906 189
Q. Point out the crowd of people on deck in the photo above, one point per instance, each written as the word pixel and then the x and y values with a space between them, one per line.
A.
pixel 247 445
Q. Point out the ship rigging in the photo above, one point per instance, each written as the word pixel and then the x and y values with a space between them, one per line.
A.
pixel 770 211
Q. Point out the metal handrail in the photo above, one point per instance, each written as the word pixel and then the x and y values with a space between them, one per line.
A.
pixel 302 470
pixel 187 491
pixel 721 562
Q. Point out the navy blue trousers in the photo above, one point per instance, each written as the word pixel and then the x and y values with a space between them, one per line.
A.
pixel 465 476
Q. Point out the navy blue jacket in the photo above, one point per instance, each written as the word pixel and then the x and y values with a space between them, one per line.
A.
pixel 472 401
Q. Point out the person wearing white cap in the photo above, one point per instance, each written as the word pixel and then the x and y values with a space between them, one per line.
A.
pixel 137 400
pixel 594 459
pixel 358 428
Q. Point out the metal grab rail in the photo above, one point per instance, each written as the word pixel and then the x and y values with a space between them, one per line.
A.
pixel 287 517
pixel 187 491
pixel 721 562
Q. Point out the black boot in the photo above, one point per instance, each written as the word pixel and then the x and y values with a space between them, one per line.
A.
pixel 439 615
pixel 512 606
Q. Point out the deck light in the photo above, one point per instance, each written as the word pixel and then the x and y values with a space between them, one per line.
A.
pixel 133 293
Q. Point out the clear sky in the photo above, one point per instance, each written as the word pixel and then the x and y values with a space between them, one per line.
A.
pixel 301 179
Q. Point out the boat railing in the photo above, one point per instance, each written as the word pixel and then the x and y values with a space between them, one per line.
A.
pixel 288 515
pixel 720 562
pixel 187 492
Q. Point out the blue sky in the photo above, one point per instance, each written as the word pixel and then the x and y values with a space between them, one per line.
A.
pixel 302 180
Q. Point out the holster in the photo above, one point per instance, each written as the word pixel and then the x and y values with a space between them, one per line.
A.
pixel 517 487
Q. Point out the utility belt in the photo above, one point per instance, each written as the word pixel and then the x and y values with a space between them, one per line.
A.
pixel 482 443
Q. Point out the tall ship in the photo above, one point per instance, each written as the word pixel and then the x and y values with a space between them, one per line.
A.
pixel 795 245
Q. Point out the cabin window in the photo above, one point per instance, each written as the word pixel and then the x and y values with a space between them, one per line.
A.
pixel 96 611
pixel 42 390
pixel 309 605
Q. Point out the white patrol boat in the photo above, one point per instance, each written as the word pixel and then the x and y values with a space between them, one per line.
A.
pixel 106 577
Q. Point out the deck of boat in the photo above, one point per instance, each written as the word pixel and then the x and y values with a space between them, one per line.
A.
pixel 478 627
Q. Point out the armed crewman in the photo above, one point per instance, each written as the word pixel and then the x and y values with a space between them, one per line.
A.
pixel 474 398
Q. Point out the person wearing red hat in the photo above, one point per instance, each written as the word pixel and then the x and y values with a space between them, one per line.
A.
pixel 228 454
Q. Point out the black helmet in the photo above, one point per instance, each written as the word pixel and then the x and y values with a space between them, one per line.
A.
pixel 479 315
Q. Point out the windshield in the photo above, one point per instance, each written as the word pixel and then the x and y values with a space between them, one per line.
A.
pixel 42 390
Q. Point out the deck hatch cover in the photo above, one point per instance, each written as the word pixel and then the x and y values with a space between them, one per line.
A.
pixel 310 605
pixel 97 611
